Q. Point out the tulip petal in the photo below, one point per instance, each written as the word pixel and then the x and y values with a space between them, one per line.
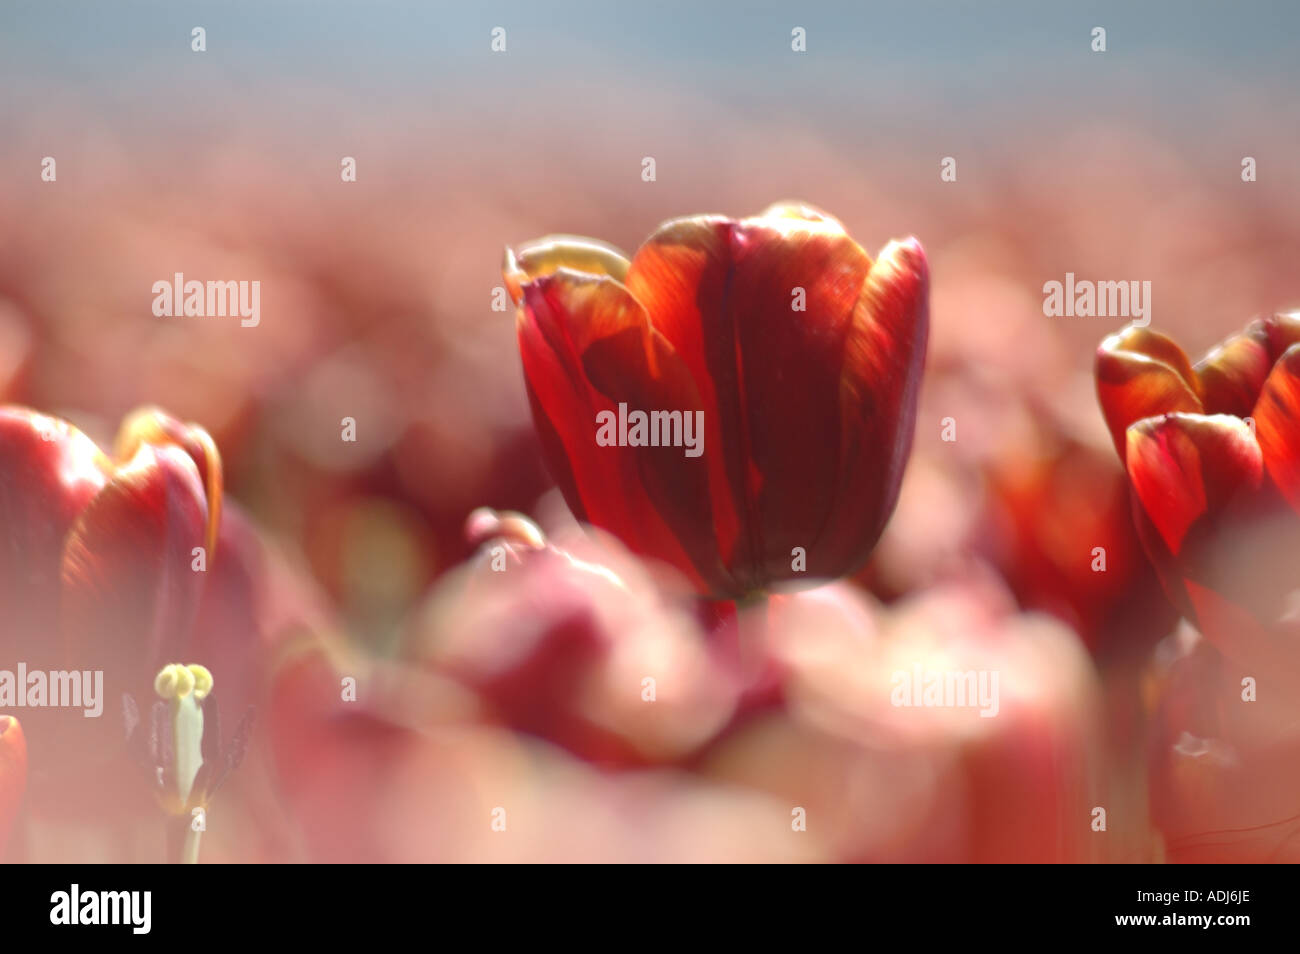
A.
pixel 1232 374
pixel 792 365
pixel 49 471
pixel 587 347
pixel 885 352
pixel 1142 373
pixel 150 425
pixel 802 211
pixel 1283 331
pixel 1277 423
pixel 1185 467
pixel 13 775
pixel 681 276
pixel 129 589
pixel 547 255
pixel 759 311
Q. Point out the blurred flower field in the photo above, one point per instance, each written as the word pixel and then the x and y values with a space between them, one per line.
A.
pixel 439 663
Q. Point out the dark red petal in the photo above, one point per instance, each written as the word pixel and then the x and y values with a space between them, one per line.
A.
pixel 49 471
pixel 682 275
pixel 129 592
pixel 1142 373
pixel 725 294
pixel 884 356
pixel 1277 423
pixel 13 775
pixel 587 346
pixel 1232 374
pixel 1184 467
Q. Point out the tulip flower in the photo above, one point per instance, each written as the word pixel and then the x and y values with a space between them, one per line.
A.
pixel 13 775
pixel 1041 508
pixel 1213 458
pixel 737 399
pixel 117 563
pixel 1212 452
pixel 100 548
pixel 571 641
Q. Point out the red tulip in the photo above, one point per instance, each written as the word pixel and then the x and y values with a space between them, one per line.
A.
pixel 789 362
pixel 559 638
pixel 1142 373
pixel 99 573
pixel 1042 507
pixel 13 774
pixel 99 562
pixel 1213 458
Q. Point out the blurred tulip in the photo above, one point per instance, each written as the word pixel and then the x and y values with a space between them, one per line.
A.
pixel 98 564
pixel 404 768
pixel 1050 511
pixel 1142 373
pixel 121 564
pixel 1010 776
pixel 1212 462
pixel 1225 757
pixel 13 775
pixel 1212 457
pixel 800 357
pixel 574 643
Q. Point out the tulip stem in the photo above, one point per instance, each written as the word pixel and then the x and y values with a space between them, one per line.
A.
pixel 182 841
pixel 751 635
pixel 190 855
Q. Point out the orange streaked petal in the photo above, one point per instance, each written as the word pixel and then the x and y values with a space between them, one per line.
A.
pixel 1142 373
pixel 1184 467
pixel 587 346
pixel 759 311
pixel 679 274
pixel 1277 422
pixel 1157 346
pixel 884 355
pixel 1232 374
